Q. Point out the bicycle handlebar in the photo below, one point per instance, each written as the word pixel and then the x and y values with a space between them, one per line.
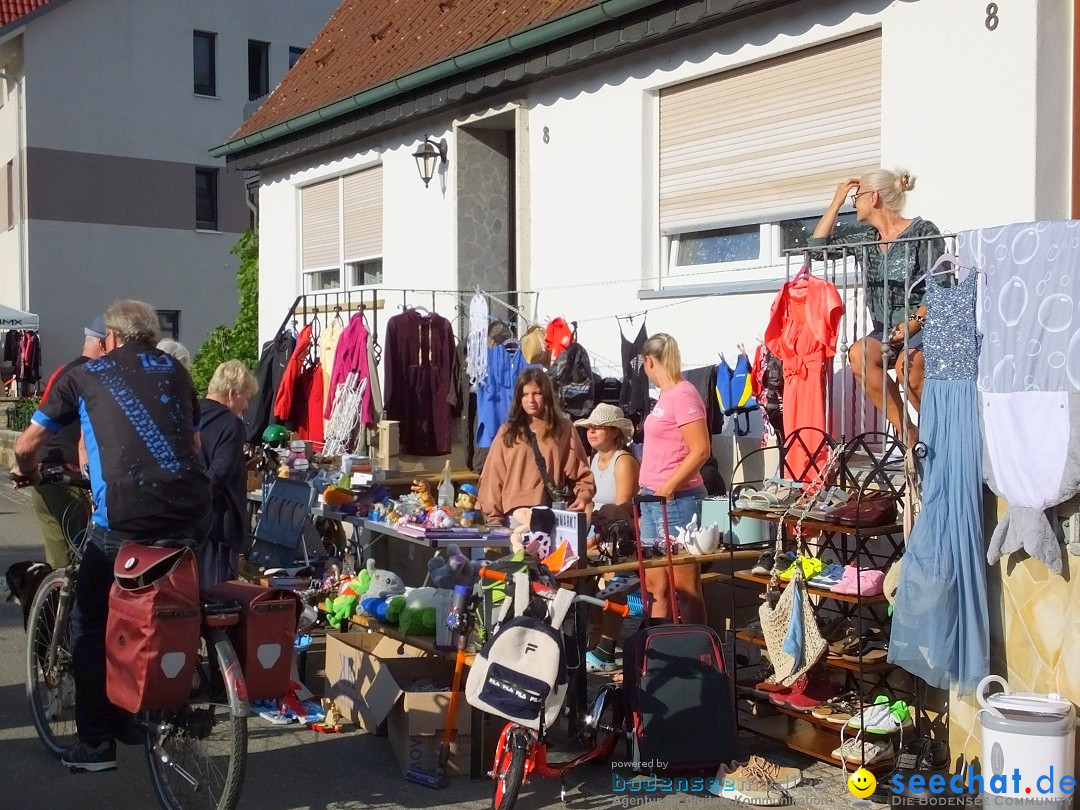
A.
pixel 499 576
pixel 53 474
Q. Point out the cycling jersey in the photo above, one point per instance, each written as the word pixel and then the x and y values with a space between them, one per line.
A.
pixel 138 411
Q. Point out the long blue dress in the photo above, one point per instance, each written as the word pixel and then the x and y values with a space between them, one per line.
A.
pixel 941 625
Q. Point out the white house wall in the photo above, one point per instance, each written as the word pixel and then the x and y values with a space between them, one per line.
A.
pixel 109 83
pixel 964 108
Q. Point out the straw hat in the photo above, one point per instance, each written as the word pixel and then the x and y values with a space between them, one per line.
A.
pixel 605 415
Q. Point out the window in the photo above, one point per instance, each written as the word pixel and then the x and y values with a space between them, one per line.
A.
pixel 715 255
pixel 341 227
pixel 364 274
pixel 747 157
pixel 294 55
pixel 258 69
pixel 9 196
pixel 206 199
pixel 205 63
pixel 169 323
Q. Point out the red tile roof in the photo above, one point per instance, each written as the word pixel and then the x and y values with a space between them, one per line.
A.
pixel 369 42
pixel 11 10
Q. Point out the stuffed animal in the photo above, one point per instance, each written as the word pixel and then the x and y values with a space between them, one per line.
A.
pixel 342 607
pixel 466 512
pixel 383 608
pixel 416 614
pixel 439 518
pixel 534 532
pixel 452 569
pixel 375 582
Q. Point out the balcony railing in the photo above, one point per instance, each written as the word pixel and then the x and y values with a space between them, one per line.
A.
pixel 848 411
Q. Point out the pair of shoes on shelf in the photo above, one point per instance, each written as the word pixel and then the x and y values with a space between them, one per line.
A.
pixel 807 693
pixel 838 710
pixel 847 640
pixel 863 753
pixel 767 561
pixel 882 717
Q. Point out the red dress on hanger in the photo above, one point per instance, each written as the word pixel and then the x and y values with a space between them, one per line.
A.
pixel 803 326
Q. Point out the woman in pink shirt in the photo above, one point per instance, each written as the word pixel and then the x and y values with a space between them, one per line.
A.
pixel 676 446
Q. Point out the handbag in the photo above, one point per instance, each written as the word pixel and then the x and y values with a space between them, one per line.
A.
pixel 788 623
pixel 559 496
pixel 790 617
pixel 875 508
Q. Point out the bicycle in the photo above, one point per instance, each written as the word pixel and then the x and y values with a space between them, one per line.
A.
pixel 522 752
pixel 197 755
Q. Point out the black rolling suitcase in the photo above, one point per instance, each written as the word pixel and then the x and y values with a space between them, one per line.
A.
pixel 680 699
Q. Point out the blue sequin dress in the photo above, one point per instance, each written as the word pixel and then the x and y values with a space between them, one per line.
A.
pixel 941 626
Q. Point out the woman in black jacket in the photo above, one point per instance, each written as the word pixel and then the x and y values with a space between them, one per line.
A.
pixel 222 434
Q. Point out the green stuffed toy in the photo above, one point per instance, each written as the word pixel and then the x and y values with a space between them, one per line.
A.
pixel 341 608
pixel 416 615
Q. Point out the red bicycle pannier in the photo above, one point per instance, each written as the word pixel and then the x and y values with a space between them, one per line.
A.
pixel 152 637
pixel 265 636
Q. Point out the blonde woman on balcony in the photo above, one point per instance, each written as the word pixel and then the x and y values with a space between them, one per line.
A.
pixel 904 250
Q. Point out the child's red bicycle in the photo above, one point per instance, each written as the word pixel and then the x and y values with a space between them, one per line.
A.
pixel 523 752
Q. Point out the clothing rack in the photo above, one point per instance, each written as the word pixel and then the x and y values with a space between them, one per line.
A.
pixel 318 307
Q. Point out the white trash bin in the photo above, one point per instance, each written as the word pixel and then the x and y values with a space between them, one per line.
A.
pixel 1030 733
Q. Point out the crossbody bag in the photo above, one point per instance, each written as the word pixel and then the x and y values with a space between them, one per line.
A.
pixel 559 496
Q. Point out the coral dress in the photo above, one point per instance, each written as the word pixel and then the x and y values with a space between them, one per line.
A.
pixel 802 331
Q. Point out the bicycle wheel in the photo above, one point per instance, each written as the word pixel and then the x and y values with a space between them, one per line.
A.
pixel 197 756
pixel 50 688
pixel 604 723
pixel 511 773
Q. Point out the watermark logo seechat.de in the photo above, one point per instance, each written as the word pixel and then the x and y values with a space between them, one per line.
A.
pixel 995 789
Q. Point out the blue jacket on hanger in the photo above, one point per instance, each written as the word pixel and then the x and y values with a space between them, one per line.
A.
pixel 495 392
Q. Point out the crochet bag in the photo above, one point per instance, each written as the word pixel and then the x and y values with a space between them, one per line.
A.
pixel 791 619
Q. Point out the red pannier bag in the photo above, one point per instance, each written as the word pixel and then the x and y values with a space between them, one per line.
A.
pixel 152 637
pixel 265 636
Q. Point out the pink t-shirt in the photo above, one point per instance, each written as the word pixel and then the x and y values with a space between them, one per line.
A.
pixel 665 448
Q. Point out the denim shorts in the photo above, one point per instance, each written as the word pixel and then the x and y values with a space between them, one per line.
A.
pixel 680 511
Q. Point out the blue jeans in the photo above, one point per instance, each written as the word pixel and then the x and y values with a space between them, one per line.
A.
pixel 681 509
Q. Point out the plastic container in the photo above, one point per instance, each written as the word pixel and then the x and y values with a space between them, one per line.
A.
pixel 1030 733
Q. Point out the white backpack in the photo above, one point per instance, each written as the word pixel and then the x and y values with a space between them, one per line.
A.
pixel 520 674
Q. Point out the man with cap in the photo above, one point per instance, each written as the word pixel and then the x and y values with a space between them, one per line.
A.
pixel 52 501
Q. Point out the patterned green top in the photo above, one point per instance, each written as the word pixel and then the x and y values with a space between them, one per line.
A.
pixel 900 262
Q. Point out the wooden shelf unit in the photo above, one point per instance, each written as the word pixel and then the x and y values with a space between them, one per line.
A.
pixel 813 525
pixel 838 663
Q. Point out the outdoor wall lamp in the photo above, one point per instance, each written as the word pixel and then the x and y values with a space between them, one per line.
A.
pixel 426 156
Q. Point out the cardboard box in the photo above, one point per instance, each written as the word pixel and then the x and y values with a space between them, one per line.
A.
pixel 354 663
pixel 417 720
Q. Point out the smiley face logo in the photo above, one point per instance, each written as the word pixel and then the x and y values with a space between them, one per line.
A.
pixel 861 783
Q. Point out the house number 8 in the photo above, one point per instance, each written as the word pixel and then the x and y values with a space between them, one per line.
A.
pixel 547 135
pixel 992 17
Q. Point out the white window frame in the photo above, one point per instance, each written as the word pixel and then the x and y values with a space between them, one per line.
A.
pixel 342 266
pixel 771 266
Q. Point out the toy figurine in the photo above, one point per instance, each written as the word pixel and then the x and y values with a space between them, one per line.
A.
pixel 422 490
pixel 439 518
pixel 466 513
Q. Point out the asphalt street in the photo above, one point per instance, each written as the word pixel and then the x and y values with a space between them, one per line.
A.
pixel 289 768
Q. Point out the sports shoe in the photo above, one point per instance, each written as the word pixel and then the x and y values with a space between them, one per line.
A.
pixel 829 576
pixel 594 663
pixel 856 751
pixel 882 717
pixel 764 566
pixel 750 784
pixel 811 566
pixel 84 757
pixel 785 777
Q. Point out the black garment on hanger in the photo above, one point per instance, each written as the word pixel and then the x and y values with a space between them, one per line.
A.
pixel 275 356
pixel 704 380
pixel 634 397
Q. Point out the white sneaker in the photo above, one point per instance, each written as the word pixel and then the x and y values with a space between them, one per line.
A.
pixel 860 752
pixel 882 717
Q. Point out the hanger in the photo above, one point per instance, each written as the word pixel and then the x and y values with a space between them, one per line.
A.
pixel 804 272
pixel 933 271
pixel 337 315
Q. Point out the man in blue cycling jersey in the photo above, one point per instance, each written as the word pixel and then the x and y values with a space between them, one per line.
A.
pixel 138 410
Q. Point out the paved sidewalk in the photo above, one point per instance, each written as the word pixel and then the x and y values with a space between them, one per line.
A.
pixel 289 768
